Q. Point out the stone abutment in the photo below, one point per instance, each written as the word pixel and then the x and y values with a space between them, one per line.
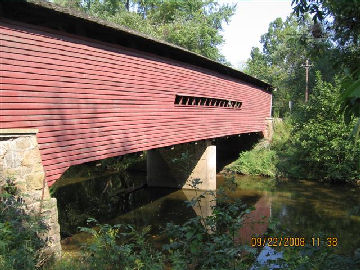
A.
pixel 20 163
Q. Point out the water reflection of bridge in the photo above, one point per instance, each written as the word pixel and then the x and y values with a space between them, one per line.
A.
pixel 254 223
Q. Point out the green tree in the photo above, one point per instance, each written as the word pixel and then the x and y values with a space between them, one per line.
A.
pixel 192 24
pixel 343 18
pixel 312 143
pixel 345 15
pixel 286 46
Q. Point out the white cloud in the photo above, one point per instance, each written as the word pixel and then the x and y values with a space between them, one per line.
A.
pixel 250 21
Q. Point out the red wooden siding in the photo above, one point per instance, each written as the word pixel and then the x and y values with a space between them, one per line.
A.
pixel 92 100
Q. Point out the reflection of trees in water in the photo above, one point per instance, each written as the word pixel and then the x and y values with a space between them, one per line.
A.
pixel 307 208
pixel 101 198
pixel 308 213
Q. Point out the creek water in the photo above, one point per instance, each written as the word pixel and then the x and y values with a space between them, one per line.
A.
pixel 298 208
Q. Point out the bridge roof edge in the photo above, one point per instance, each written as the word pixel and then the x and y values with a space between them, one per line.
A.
pixel 43 13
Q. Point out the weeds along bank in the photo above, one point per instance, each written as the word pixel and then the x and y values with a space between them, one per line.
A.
pixel 312 142
pixel 22 244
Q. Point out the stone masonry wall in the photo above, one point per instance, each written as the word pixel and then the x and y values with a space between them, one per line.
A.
pixel 20 160
pixel 269 129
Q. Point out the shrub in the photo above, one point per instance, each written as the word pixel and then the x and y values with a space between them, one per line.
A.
pixel 20 244
pixel 321 144
pixel 263 159
pixel 309 257
pixel 121 246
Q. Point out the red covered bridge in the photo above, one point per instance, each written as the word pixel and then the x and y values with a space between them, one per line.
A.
pixel 94 90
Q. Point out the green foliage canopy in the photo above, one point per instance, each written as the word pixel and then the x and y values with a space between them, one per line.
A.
pixel 345 15
pixel 192 24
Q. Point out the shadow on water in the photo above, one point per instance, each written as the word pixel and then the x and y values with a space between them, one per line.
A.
pixel 103 198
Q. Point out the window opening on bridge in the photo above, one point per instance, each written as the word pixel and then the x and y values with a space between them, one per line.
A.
pixel 206 102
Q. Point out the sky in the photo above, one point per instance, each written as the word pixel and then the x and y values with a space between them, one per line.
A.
pixel 250 21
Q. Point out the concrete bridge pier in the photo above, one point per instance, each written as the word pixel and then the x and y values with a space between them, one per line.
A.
pixel 180 165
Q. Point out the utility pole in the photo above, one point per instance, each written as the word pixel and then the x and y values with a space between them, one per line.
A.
pixel 307 66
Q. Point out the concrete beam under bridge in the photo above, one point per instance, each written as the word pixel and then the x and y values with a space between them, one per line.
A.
pixel 180 165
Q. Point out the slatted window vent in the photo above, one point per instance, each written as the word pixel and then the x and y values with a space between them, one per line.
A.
pixel 206 102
